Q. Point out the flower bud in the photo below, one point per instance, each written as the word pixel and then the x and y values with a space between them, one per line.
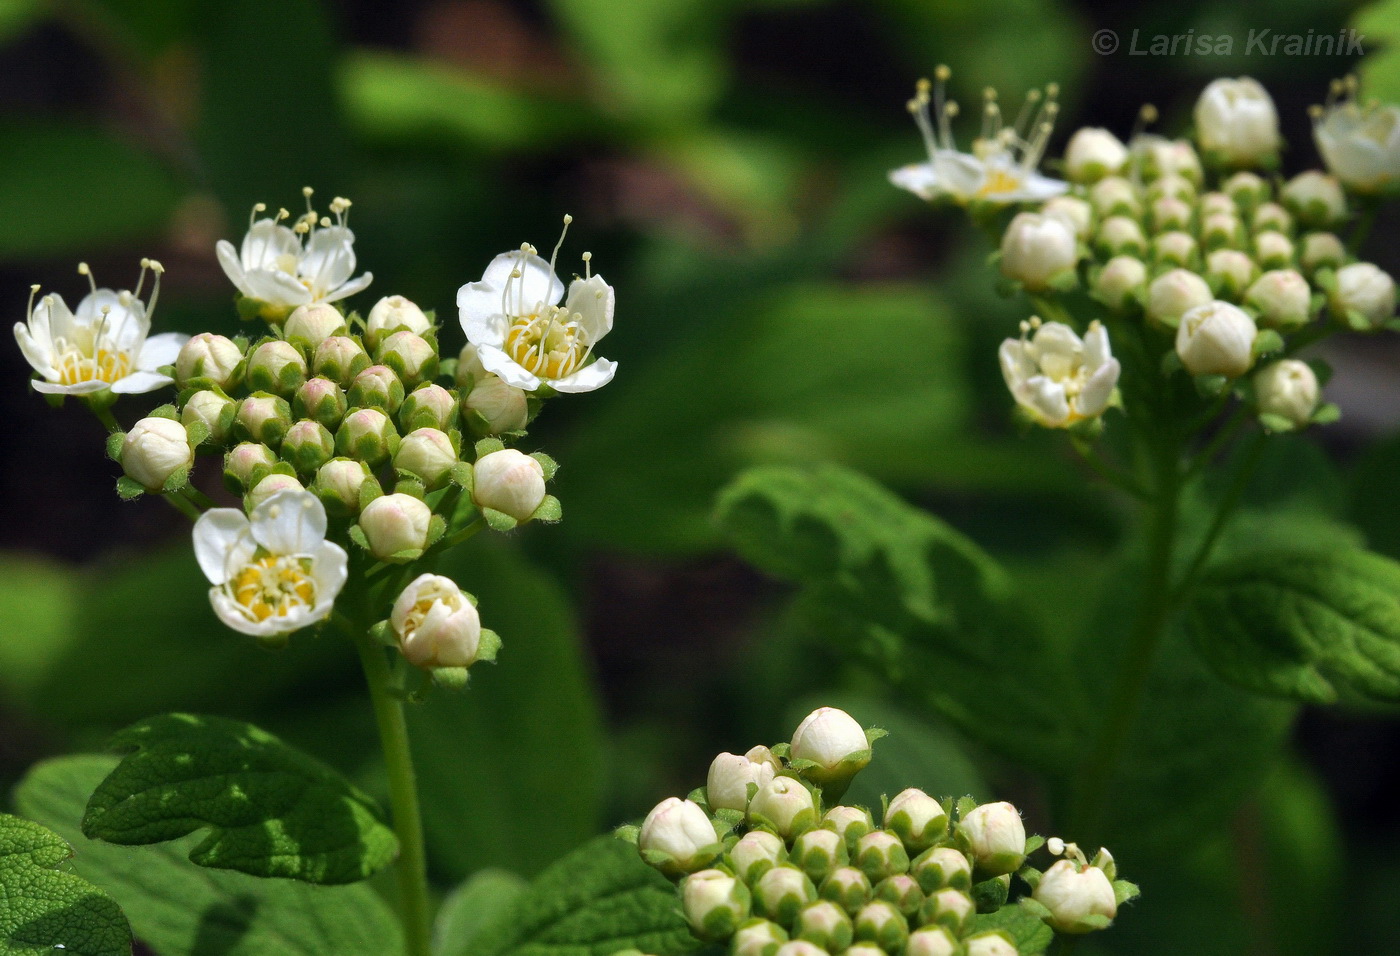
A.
pixel 307 446
pixel 1321 250
pixel 428 454
pixel 1287 389
pixel 312 324
pixel 1074 212
pixel 799 947
pixel 395 523
pixel 1218 204
pixel 213 410
pixel 755 853
pixel 338 484
pixel 916 818
pixel 993 832
pixel 881 923
pixel 1157 156
pixel 824 924
pixel 1115 196
pixel 1247 190
pixel 246 464
pixel 782 892
pixel 276 366
pixel 834 741
pixel 436 623
pixel 1283 298
pixel 263 418
pixel 394 313
pixel 510 482
pixel 1270 216
pixel 154 450
pixel 1168 212
pixel 269 486
pixel 902 892
pixel 818 853
pixel 378 386
pixel 1173 248
pixel 340 358
pixel 1273 250
pixel 366 434
pixel 469 367
pixel 1315 198
pixel 428 406
pixel 1365 291
pixel 410 355
pixel 1222 231
pixel 940 867
pixel 493 408
pixel 1172 294
pixel 714 903
pixel 863 949
pixel 1236 121
pixel 1037 250
pixel 1231 272
pixel 757 937
pixel 879 854
pixel 847 887
pixel 321 400
pixel 677 837
pixel 992 943
pixel 1360 143
pixel 783 805
pixel 1172 187
pixel 1216 339
pixel 931 941
pixel 1092 154
pixel 207 358
pixel 1072 894
pixel 731 775
pixel 948 907
pixel 851 823
pixel 1120 236
pixel 1120 282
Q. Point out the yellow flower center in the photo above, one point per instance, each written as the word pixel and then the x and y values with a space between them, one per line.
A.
pixel 76 364
pixel 548 343
pixel 274 586
pixel 998 181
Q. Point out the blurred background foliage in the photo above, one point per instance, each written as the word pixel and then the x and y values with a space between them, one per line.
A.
pixel 725 161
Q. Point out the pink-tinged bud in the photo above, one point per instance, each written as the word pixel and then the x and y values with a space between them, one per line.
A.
pixel 263 418
pixel 731 775
pixel 510 482
pixel 246 464
pixel 276 366
pixel 338 484
pixel 340 358
pixel 428 406
pixel 322 400
pixel 410 355
pixel 307 446
pixel 493 408
pixel 269 486
pixel 378 386
pixel 428 454
pixel 1283 298
pixel 395 523
pixel 312 324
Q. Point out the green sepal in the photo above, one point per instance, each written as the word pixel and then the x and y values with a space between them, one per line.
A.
pixel 965 806
pixel 129 488
pixel 782 751
pixel 1036 908
pixel 1033 843
pixel 1066 280
pixel 547 464
pixel 447 369
pixel 628 833
pixel 1266 342
pixel 1357 322
pixel 1030 875
pixel 406 556
pixel 437 527
pixel 1124 892
pixel 450 678
pixel 487 446
pixel 115 440
pixel 165 411
pixel 410 484
pixel 1326 414
pixel 726 821
pixel 498 520
pixel 1171 364
pixel 464 475
pixel 991 895
pixel 382 632
pixel 1211 386
pixel 198 432
pixel 178 479
pixel 549 511
pixel 273 642
pixel 357 535
pixel 1276 423
pixel 369 490
pixel 488 647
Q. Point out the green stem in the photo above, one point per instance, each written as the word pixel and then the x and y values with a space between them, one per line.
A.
pixel 197 497
pixel 1227 506
pixel 1114 476
pixel 183 505
pixel 1223 434
pixel 412 865
pixel 104 415
pixel 1369 211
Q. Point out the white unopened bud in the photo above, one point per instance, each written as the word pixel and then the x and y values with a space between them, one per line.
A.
pixel 1172 187
pixel 825 924
pixel 1120 281
pixel 1231 271
pixel 677 836
pixel 714 903
pixel 782 891
pixel 1115 196
pixel 931 941
pixel 940 867
pixel 408 354
pixel 436 623
pixel 427 453
pixel 995 837
pixel 1218 204
pixel 785 805
pixel 340 480
pixel 510 482
pixel 1169 212
pixel 154 450
pixel 1173 248
pixel 1074 212
pixel 1121 236
pixel 1365 290
pixel 799 947
pixel 495 407
pixel 276 366
pixel 756 852
pixel 1318 250
pixel 818 852
pixel 1283 298
pixel 1157 156
pixel 314 323
pixel 469 367
pixel 1036 250
pixel 1247 190
pixel 1236 121
pixel 917 818
pixel 1092 154
pixel 394 313
pixel 269 486
pixel 757 937
pixel 1273 250
pixel 990 944
pixel 208 357
pixel 395 523
pixel 850 823
pixel 1172 294
pixel 211 409
pixel 1216 339
pixel 1222 230
pixel 246 463
pixel 1073 894
pixel 846 886
pixel 732 774
pixel 1272 216
pixel 1287 389
pixel 828 736
pixel 1315 198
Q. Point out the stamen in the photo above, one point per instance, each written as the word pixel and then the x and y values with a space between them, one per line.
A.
pixel 554 256
pixel 141 279
pixel 83 270
pixel 253 215
pixel 587 266
pixel 1023 118
pixel 29 309
pixel 941 105
pixel 157 270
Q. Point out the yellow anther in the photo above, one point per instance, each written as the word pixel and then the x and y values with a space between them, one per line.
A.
pixel 941 72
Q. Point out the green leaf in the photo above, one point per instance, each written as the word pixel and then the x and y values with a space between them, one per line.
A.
pixel 46 908
pixel 594 902
pixel 270 809
pixel 896 587
pixel 469 907
pixel 1030 935
pixel 1309 625
pixel 179 909
pixel 1380 68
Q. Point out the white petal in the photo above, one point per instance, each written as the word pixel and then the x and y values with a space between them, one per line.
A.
pixel 265 244
pixel 1096 347
pixel 329 567
pixel 349 288
pixel 214 535
pixel 233 267
pixel 507 369
pixel 481 304
pixel 1045 398
pixel 290 522
pixel 961 174
pixel 160 350
pixel 1016 365
pixel 82 388
pixel 329 258
pixel 233 616
pixel 38 354
pixel 276 287
pixel 52 313
pixel 139 381
pixel 586 379
pixel 918 178
pixel 1098 390
pixel 594 300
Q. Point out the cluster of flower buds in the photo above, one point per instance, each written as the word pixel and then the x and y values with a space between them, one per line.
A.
pixel 769 864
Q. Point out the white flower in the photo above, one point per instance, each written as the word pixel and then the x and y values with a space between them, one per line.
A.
pixel 1365 289
pixel 101 345
pixel 437 624
pixel 522 333
pixel 155 449
pixel 1094 153
pixel 1071 893
pixel 1287 389
pixel 1059 378
pixel 727 786
pixel 275 573
pixel 828 736
pixel 287 266
pixel 1236 119
pixel 1359 143
pixel 680 830
pixel 1002 165
pixel 1036 249
pixel 1216 339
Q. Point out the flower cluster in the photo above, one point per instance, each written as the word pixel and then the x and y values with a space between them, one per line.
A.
pixel 354 447
pixel 768 862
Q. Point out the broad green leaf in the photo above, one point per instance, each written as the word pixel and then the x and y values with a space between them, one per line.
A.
pixel 471 906
pixel 905 592
pixel 271 810
pixel 66 186
pixel 1309 625
pixel 178 909
pixel 594 902
pixel 43 907
pixel 1380 68
pixel 1028 932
